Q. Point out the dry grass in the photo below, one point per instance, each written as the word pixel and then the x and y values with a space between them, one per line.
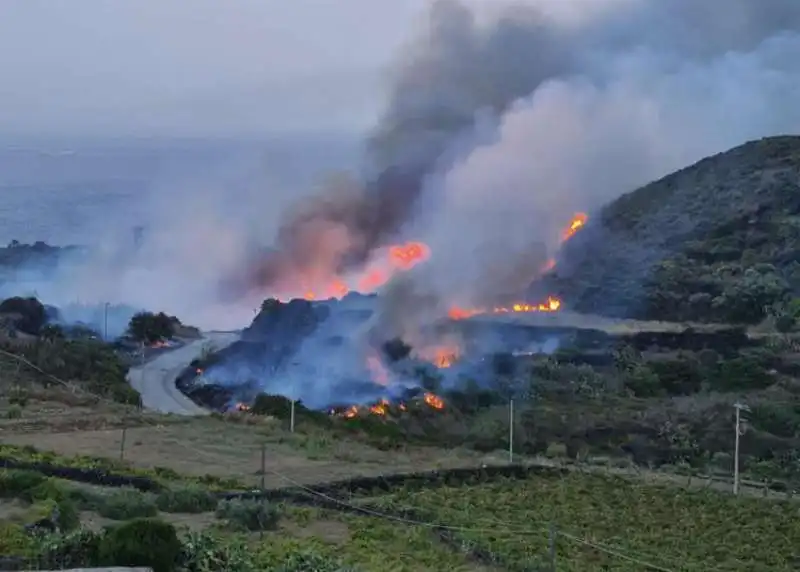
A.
pixel 200 446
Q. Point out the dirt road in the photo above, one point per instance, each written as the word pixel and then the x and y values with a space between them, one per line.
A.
pixel 155 380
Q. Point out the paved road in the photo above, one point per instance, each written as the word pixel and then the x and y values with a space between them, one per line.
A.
pixel 155 380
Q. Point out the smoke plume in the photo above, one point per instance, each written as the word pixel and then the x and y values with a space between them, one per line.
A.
pixel 501 121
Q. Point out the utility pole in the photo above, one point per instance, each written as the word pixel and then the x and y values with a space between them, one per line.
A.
pixel 105 322
pixel 511 431
pixel 739 432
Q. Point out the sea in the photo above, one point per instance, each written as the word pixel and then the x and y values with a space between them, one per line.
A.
pixel 73 191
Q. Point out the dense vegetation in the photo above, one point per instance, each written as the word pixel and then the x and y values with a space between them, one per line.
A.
pixel 692 530
pixel 150 327
pixel 718 241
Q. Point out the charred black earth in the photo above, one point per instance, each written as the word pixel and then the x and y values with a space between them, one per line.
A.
pixel 313 351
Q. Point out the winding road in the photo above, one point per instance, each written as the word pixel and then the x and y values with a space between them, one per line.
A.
pixel 155 380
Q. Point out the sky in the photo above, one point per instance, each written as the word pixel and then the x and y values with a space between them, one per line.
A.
pixel 196 67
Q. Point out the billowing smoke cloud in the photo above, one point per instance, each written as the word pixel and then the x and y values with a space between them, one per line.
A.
pixel 502 123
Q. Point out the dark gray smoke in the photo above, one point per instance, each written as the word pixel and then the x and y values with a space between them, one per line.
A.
pixel 500 125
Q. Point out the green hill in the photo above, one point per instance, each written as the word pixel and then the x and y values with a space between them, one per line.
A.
pixel 718 241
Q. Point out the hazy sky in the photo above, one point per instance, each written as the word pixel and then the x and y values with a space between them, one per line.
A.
pixel 195 66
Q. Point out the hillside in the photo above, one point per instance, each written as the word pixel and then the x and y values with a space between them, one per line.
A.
pixel 718 241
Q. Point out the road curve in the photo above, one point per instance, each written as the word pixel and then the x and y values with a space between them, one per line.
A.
pixel 155 380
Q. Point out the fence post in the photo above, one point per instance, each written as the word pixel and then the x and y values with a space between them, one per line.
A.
pixel 263 483
pixel 122 444
pixel 552 547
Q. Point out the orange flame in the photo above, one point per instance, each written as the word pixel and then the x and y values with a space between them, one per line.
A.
pixel 398 257
pixel 241 407
pixel 433 400
pixel 552 304
pixel 440 356
pixel 578 221
pixel 380 408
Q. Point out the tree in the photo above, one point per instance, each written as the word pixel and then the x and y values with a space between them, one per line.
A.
pixel 32 314
pixel 151 328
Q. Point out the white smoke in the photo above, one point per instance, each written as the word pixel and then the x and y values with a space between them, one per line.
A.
pixel 637 107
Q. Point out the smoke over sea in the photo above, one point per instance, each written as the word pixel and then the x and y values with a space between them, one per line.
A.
pixel 500 122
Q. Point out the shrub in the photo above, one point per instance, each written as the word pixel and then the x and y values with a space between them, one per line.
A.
pixel 127 504
pixel 149 327
pixel 141 542
pixel 77 549
pixel 31 312
pixel 62 514
pixel 248 515
pixel 556 451
pixel 643 382
pixel 188 499
pixel 14 412
pixel 307 560
pixel 15 483
pixel 18 396
pixel 14 541
pixel 203 552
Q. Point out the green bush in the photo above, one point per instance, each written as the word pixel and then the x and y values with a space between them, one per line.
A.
pixel 18 396
pixel 14 541
pixel 556 451
pixel 62 513
pixel 248 515
pixel 306 561
pixel 15 483
pixel 91 362
pixel 642 382
pixel 141 542
pixel 14 412
pixel 149 327
pixel 31 312
pixel 203 552
pixel 189 499
pixel 126 504
pixel 77 549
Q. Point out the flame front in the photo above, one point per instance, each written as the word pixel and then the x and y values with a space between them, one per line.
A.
pixel 578 221
pixel 395 258
pixel 433 400
pixel 552 304
pixel 442 356
pixel 383 407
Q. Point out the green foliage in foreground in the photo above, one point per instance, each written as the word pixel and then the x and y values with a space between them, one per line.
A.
pixel 690 530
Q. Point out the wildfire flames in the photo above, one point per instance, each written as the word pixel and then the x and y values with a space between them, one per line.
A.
pixel 577 223
pixel 384 407
pixel 396 258
pixel 440 356
pixel 552 304
pixel 404 257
